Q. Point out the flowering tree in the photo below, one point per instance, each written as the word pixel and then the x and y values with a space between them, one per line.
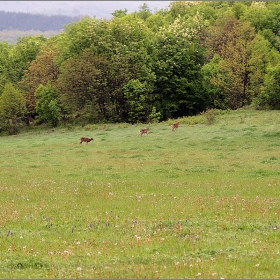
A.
pixel 178 68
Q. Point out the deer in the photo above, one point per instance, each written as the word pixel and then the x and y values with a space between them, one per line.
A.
pixel 30 120
pixel 143 131
pixel 85 139
pixel 175 126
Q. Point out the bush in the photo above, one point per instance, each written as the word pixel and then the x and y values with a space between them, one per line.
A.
pixel 210 115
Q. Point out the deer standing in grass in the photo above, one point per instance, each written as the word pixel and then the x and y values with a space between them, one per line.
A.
pixel 143 131
pixel 175 126
pixel 85 139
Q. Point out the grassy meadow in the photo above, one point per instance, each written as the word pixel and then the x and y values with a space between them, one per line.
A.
pixel 200 202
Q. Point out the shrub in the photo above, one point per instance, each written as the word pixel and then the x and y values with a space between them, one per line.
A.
pixel 210 115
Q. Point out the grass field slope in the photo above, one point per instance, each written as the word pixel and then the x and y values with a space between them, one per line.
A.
pixel 199 202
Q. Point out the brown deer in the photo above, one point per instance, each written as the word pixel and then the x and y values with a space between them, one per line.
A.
pixel 143 131
pixel 175 126
pixel 30 120
pixel 85 139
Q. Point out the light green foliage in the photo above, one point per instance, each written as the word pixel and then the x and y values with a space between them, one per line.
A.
pixel 210 116
pixel 12 104
pixel 259 16
pixel 260 57
pixel 201 202
pixel 21 54
pixel 78 36
pixel 134 92
pixel 40 71
pixel 47 105
pixel 155 116
pixel 12 109
pixel 4 64
pixel 271 92
pixel 210 70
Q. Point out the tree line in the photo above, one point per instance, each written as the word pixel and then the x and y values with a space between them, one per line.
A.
pixel 145 67
pixel 27 21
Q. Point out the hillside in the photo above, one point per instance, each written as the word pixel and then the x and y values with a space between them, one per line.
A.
pixel 30 18
pixel 27 21
pixel 100 9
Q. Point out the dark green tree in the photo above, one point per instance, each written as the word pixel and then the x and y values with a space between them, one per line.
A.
pixel 21 54
pixel 119 13
pixel 144 11
pixel 47 105
pixel 138 107
pixel 271 92
pixel 210 70
pixel 178 69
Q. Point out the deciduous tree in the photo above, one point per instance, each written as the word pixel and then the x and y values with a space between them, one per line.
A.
pixel 47 104
pixel 12 107
pixel 41 70
pixel 235 49
pixel 178 69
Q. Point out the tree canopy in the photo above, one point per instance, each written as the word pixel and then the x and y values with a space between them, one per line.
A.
pixel 146 65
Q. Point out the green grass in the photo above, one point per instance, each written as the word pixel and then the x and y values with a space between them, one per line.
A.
pixel 201 202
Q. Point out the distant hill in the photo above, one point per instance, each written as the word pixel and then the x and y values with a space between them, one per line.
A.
pixel 27 21
pixel 100 9
pixel 48 18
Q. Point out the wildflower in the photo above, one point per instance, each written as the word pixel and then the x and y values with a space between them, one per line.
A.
pixel 138 237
